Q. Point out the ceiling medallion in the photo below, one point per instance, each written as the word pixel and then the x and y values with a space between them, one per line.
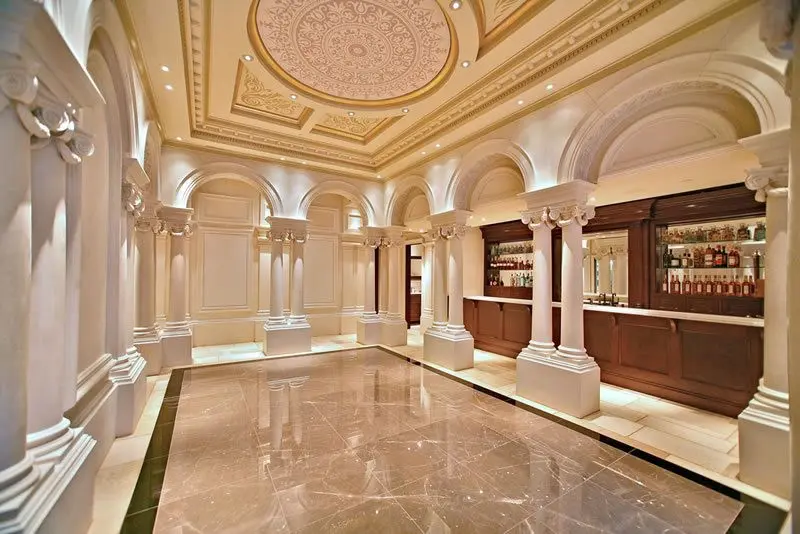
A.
pixel 361 53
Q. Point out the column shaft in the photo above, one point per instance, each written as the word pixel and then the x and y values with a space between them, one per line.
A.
pixel 383 282
pixel 393 254
pixel 572 292
pixel 48 298
pixel 176 312
pixel 369 283
pixel 542 308
pixel 440 283
pixel 427 280
pixel 298 306
pixel 776 343
pixel 276 283
pixel 456 272
pixel 145 279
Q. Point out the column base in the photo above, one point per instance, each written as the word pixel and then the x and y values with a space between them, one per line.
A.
pixel 368 329
pixel 176 345
pixel 764 446
pixel 394 332
pixel 569 387
pixel 452 350
pixel 130 380
pixel 50 497
pixel 425 322
pixel 149 345
pixel 286 338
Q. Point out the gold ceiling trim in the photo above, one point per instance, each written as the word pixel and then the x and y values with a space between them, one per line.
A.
pixel 521 16
pixel 344 135
pixel 654 48
pixel 239 107
pixel 138 59
pixel 268 62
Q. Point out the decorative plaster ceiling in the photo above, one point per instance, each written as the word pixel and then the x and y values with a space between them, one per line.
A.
pixel 253 98
pixel 360 52
pixel 360 129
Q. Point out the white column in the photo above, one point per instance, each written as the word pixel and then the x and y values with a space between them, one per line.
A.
pixel 571 346
pixel 439 283
pixel 48 429
pixel 276 415
pixel 17 91
pixel 542 306
pixel 426 318
pixel 276 281
pixel 145 332
pixel 263 245
pixel 394 330
pixel 793 287
pixel 394 282
pixel 298 306
pixel 764 426
pixel 369 280
pixel 176 335
pixel 73 284
pixel 455 321
pixel 383 282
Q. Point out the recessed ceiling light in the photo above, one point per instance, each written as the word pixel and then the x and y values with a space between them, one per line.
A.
pixel 438 145
pixel 164 68
pixel 179 138
pixel 69 104
pixel 405 110
pixel 168 87
pixel 304 163
pixel 592 199
pixel 379 175
pixel 247 57
pixel 455 4
pixel 465 64
pixel 293 96
pixel 283 159
pixel 423 152
pixel 520 102
pixel 351 113
pixel 549 86
pixel 483 219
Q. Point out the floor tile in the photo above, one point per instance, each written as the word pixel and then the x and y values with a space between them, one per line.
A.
pixel 618 425
pixel 711 423
pixel 382 515
pixel 689 450
pixel 402 458
pixel 462 437
pixel 697 436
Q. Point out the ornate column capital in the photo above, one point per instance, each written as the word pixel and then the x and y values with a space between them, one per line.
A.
pixel 534 218
pixel 768 182
pixel 449 231
pixel 286 229
pixel 148 220
pixel 177 221
pixel 372 241
pixel 49 120
pixel 564 215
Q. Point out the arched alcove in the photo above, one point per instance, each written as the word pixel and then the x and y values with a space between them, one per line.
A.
pixel 344 189
pixel 410 202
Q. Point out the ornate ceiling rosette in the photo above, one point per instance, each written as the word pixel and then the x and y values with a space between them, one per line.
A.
pixel 356 53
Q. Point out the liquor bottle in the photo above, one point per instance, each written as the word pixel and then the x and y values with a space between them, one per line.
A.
pixel 724 261
pixel 718 257
pixel 757 260
pixel 675 286
pixel 733 258
pixel 708 286
pixel 687 286
pixel 726 287
pixel 708 257
pixel 737 286
pixel 697 288
pixel 666 258
pixel 718 285
pixel 746 288
pixel 665 284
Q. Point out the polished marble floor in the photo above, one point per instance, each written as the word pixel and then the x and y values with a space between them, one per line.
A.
pixel 366 441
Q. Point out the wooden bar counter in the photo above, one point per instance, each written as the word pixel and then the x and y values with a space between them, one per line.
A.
pixel 712 362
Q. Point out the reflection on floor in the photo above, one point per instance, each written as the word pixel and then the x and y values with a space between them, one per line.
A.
pixel 363 441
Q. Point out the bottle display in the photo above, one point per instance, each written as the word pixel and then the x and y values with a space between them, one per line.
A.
pixel 510 265
pixel 720 260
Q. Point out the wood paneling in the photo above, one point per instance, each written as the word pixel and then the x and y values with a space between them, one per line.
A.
pixel 413 308
pixel 707 365
pixel 509 292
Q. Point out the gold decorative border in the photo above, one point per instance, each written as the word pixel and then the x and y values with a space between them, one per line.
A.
pixel 266 59
pixel 361 139
pixel 261 114
pixel 521 16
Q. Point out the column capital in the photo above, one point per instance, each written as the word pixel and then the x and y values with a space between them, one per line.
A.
pixel 563 203
pixel 534 218
pixel 287 229
pixel 177 221
pixel 148 220
pixel 448 231
pixel 768 182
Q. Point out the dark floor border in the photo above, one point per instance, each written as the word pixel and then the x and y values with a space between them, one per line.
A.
pixel 756 517
pixel 140 517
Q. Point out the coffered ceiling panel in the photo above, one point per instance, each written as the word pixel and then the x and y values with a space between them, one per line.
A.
pixel 253 98
pixel 358 129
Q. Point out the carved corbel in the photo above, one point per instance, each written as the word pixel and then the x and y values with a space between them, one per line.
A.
pixel 372 241
pixel 132 198
pixel 19 87
pixel 449 231
pixel 768 181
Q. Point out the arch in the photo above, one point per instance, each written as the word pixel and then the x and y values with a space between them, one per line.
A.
pixel 407 190
pixel 232 171
pixel 480 159
pixel 344 189
pixel 755 83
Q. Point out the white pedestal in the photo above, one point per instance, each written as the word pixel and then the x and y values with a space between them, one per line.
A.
pixel 176 348
pixel 764 447
pixel 368 331
pixel 131 383
pixel 454 352
pixel 574 390
pixel 151 351
pixel 394 333
pixel 287 339
pixel 425 322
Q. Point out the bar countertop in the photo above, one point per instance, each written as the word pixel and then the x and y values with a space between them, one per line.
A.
pixel 757 322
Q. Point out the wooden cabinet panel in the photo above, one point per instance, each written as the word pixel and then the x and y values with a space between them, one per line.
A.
pixel 645 344
pixel 517 323
pixel 743 306
pixel 414 311
pixel 470 309
pixel 598 332
pixel 490 319
pixel 700 304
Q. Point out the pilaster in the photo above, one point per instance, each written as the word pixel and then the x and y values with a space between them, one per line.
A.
pixel 368 328
pixel 176 335
pixel 764 437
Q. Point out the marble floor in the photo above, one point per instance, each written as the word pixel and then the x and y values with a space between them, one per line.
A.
pixel 366 441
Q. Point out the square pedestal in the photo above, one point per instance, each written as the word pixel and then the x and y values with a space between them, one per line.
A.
pixel 131 398
pixel 394 333
pixel 454 352
pixel 287 339
pixel 425 322
pixel 368 332
pixel 548 381
pixel 764 451
pixel 153 355
pixel 176 349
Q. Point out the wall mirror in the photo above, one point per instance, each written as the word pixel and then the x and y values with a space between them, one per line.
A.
pixel 605 268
